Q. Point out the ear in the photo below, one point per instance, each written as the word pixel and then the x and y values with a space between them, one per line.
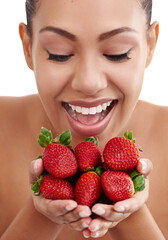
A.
pixel 26 42
pixel 153 34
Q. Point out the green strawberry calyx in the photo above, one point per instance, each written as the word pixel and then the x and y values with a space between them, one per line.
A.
pixel 129 136
pixel 93 140
pixel 46 138
pixel 138 181
pixel 99 170
pixel 36 185
pixel 64 138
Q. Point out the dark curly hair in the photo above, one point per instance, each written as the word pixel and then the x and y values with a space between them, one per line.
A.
pixel 32 6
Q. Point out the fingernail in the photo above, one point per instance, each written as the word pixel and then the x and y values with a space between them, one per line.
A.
pixel 71 207
pixel 144 166
pixel 86 235
pixel 119 208
pixel 99 211
pixel 83 214
pixel 37 163
pixel 95 235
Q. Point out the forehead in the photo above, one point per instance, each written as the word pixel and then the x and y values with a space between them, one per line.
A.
pixel 94 15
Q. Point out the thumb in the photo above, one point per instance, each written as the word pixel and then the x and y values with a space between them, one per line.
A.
pixel 35 170
pixel 144 166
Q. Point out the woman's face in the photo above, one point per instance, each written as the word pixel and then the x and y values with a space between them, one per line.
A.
pixel 89 59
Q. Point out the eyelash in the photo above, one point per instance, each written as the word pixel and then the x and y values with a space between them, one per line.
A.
pixel 114 58
pixel 118 58
pixel 59 58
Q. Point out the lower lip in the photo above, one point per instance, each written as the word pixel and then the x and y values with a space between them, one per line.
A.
pixel 90 130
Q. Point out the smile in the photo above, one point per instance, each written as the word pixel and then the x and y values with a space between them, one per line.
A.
pixel 89 118
pixel 103 109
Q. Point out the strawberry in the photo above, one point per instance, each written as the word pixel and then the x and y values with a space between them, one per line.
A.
pixel 53 188
pixel 121 153
pixel 119 186
pixel 88 189
pixel 88 154
pixel 58 158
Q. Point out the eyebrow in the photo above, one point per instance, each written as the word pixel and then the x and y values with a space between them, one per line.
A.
pixel 114 32
pixel 72 37
pixel 59 31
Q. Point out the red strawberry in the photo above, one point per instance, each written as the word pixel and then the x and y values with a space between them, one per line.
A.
pixel 88 154
pixel 53 188
pixel 57 158
pixel 119 185
pixel 59 161
pixel 121 153
pixel 88 189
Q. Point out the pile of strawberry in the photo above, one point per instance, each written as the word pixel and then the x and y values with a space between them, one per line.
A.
pixel 86 174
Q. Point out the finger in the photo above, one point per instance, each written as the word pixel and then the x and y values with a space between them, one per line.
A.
pixel 81 224
pixel 100 224
pixel 135 202
pixel 79 212
pixel 53 208
pixel 144 166
pixel 35 169
pixel 122 209
pixel 98 234
pixel 108 213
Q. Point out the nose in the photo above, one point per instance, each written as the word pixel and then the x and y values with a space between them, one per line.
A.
pixel 89 78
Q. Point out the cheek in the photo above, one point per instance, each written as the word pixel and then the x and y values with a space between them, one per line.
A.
pixel 128 77
pixel 51 78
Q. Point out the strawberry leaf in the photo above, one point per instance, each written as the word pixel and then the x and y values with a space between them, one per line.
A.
pixel 93 140
pixel 97 141
pixel 45 137
pixel 134 174
pixel 99 170
pixel 139 183
pixel 65 138
pixel 129 136
pixel 36 185
pixel 89 169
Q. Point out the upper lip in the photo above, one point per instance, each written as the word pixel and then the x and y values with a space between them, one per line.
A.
pixel 89 104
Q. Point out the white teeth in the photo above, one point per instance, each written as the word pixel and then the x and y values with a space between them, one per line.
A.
pixel 92 110
pixel 78 109
pixel 99 109
pixel 85 111
pixel 73 107
pixel 108 104
pixel 104 106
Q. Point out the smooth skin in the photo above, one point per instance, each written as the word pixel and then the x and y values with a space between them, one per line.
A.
pixel 87 75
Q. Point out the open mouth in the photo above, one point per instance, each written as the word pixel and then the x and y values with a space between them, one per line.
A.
pixel 91 115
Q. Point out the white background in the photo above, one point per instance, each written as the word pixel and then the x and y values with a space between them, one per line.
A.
pixel 17 80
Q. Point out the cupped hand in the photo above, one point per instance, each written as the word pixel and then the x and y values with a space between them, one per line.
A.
pixel 59 211
pixel 110 215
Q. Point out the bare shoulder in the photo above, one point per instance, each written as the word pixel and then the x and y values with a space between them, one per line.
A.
pixel 21 118
pixel 157 117
pixel 152 122
pixel 15 112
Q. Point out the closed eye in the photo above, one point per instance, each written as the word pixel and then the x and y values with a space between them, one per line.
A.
pixel 118 58
pixel 59 58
